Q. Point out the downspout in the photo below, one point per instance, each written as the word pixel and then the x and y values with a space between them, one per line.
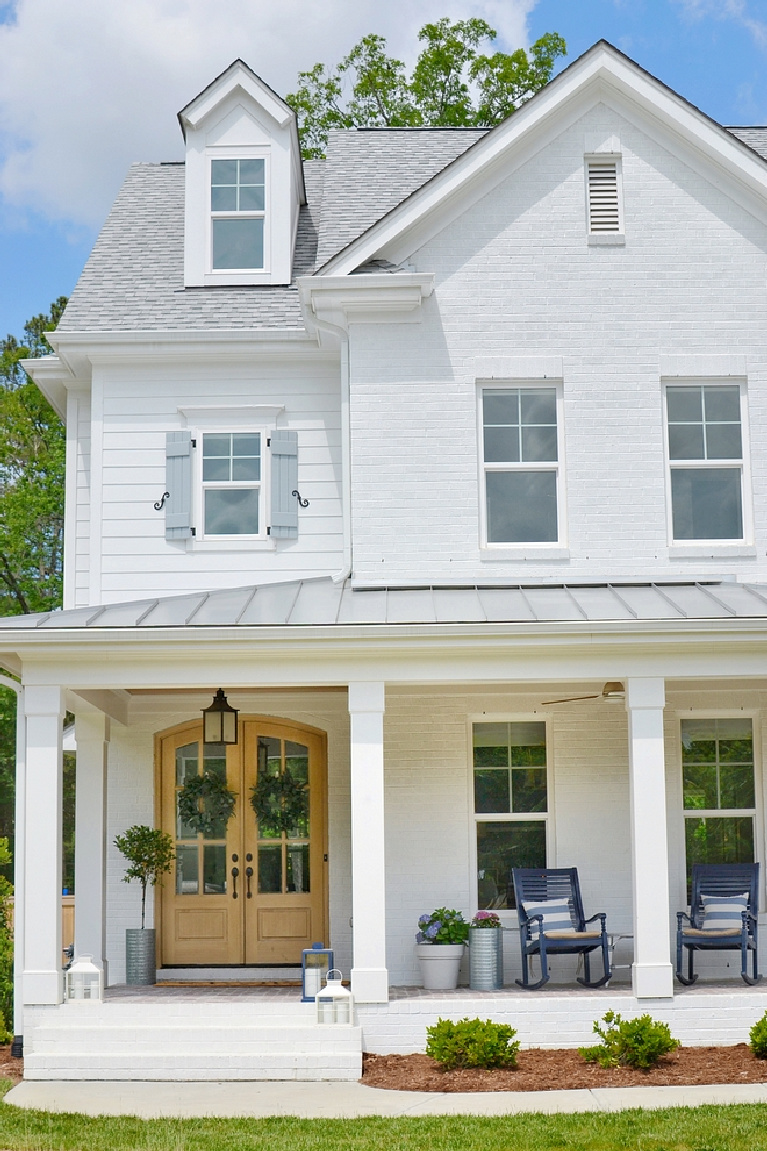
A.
pixel 346 447
pixel 17 1048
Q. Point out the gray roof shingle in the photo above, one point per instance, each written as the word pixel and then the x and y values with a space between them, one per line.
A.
pixel 755 138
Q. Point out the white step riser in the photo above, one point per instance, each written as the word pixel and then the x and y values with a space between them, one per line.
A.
pixel 168 1067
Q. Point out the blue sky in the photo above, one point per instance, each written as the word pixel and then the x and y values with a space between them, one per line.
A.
pixel 86 87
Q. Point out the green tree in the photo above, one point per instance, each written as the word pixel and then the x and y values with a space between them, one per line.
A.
pixel 150 853
pixel 31 513
pixel 452 84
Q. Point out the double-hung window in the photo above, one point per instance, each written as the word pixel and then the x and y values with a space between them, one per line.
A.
pixel 706 462
pixel 232 488
pixel 719 790
pixel 510 805
pixel 238 209
pixel 521 470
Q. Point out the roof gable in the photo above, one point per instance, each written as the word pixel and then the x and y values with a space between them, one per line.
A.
pixel 603 74
pixel 237 77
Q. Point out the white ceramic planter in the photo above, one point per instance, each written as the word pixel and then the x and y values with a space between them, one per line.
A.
pixel 440 964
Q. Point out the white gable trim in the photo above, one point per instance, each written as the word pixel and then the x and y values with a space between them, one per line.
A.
pixel 236 78
pixel 601 74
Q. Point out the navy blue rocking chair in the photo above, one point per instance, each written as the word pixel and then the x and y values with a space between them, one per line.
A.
pixel 732 923
pixel 560 929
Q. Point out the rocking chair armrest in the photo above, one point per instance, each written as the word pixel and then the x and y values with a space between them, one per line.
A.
pixel 680 915
pixel 748 916
pixel 600 915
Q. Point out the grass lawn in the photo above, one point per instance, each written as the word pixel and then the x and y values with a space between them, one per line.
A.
pixel 741 1128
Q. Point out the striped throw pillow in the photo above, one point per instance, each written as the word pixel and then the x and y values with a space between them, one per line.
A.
pixel 556 916
pixel 724 914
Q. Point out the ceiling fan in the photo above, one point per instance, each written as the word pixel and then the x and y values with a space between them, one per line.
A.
pixel 612 691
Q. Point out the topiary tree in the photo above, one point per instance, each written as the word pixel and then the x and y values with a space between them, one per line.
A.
pixel 150 854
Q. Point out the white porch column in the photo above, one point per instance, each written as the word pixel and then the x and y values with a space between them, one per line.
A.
pixel 44 707
pixel 370 978
pixel 652 973
pixel 92 736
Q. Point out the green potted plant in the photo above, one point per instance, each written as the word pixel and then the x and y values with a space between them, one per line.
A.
pixel 150 854
pixel 440 943
pixel 485 952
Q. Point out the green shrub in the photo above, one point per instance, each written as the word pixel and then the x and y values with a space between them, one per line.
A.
pixel 629 1042
pixel 757 1037
pixel 472 1043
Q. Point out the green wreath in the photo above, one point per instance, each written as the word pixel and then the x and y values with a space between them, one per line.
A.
pixel 217 802
pixel 279 801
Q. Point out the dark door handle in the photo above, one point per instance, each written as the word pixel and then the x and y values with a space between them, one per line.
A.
pixel 248 874
pixel 235 873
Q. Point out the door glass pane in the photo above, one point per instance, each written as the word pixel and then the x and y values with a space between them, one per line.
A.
pixel 187 763
pixel 214 869
pixel 269 755
pixel 214 760
pixel 187 871
pixel 298 867
pixel 522 507
pixel 270 869
pixel 184 830
pixel 300 824
pixel 297 760
pixel 500 847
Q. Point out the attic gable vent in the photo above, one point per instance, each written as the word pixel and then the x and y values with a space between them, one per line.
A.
pixel 604 202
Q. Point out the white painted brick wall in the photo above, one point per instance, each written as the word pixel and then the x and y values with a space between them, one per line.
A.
pixel 429 821
pixel 515 277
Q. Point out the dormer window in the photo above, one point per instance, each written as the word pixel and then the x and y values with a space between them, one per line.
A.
pixel 238 205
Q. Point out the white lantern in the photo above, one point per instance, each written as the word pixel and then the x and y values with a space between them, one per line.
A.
pixel 84 980
pixel 334 1003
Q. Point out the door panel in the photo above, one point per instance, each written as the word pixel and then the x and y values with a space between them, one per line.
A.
pixel 277 903
pixel 199 922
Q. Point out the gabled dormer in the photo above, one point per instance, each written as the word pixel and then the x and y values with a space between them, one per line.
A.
pixel 244 183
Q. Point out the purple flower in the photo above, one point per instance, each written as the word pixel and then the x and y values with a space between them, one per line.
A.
pixel 432 929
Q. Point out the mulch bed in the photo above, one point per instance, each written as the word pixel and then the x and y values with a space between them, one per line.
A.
pixel 566 1070
pixel 10 1068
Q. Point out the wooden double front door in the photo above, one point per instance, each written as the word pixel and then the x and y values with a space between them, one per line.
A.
pixel 246 890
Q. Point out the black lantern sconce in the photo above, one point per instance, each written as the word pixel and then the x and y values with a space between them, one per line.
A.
pixel 219 721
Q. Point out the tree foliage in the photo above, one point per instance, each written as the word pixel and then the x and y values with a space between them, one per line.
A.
pixel 453 84
pixel 32 454
pixel 150 853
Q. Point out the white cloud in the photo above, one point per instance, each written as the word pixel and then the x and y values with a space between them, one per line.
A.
pixel 737 10
pixel 88 86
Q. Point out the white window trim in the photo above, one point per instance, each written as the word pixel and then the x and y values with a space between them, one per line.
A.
pixel 231 542
pixel 679 821
pixel 552 549
pixel 238 276
pixel 605 239
pixel 715 547
pixel 508 917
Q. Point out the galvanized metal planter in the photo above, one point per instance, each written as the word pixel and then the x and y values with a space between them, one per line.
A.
pixel 140 970
pixel 485 958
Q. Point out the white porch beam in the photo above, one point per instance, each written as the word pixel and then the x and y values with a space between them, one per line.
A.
pixel 370 978
pixel 652 973
pixel 92 737
pixel 44 708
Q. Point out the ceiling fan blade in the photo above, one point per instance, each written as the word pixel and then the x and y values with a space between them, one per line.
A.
pixel 570 699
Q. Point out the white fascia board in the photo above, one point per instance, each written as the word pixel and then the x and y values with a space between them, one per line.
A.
pixel 232 80
pixel 83 659
pixel 54 378
pixel 598 74
pixel 369 299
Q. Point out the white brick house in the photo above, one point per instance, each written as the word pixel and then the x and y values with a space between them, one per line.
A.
pixel 520 376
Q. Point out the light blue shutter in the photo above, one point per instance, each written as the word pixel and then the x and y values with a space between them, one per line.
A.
pixel 178 482
pixel 284 518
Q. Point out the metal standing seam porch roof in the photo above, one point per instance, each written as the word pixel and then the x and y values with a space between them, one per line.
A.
pixel 320 602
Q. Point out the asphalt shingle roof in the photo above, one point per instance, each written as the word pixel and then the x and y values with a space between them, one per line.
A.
pixel 134 278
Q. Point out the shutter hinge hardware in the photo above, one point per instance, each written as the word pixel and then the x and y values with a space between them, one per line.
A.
pixel 269 441
pixel 194 443
pixel 160 504
pixel 301 503
pixel 194 531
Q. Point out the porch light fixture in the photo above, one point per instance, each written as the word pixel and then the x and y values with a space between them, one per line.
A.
pixel 316 962
pixel 334 1002
pixel 614 692
pixel 219 721
pixel 84 980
